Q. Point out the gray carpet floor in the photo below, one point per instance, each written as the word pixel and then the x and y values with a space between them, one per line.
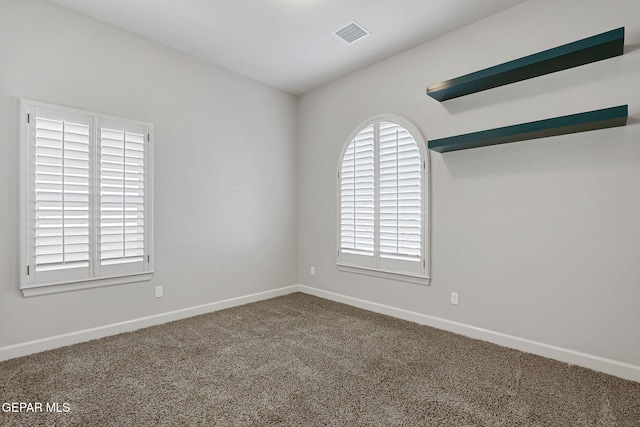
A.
pixel 299 360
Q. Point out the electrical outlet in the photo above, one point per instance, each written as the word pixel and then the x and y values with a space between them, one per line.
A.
pixel 454 298
pixel 312 271
pixel 158 291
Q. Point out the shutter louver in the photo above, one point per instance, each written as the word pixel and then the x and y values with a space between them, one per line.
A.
pixel 400 177
pixel 61 184
pixel 122 196
pixel 357 194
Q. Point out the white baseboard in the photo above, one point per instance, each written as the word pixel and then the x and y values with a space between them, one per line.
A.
pixel 36 346
pixel 597 363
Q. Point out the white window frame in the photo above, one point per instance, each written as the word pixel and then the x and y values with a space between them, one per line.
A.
pixel 373 266
pixel 28 284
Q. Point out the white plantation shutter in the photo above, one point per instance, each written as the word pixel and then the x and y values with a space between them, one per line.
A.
pixel 122 193
pixel 86 188
pixel 60 206
pixel 400 194
pixel 357 178
pixel 382 197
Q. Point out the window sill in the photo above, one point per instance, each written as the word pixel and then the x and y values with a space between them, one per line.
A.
pixel 47 289
pixel 404 277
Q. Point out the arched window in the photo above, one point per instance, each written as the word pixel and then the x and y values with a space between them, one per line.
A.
pixel 384 201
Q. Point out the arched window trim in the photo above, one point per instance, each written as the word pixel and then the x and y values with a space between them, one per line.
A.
pixel 343 262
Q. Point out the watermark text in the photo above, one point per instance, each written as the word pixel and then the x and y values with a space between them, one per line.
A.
pixel 36 407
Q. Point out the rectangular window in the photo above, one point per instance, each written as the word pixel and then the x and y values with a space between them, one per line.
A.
pixel 86 189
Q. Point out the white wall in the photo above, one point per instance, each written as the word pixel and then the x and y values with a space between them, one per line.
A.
pixel 540 238
pixel 225 181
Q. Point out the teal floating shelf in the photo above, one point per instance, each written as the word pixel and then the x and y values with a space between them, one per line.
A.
pixel 585 51
pixel 581 122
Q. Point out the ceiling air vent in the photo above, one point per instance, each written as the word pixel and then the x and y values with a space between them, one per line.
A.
pixel 352 32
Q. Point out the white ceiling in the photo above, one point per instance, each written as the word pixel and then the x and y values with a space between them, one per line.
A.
pixel 289 44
